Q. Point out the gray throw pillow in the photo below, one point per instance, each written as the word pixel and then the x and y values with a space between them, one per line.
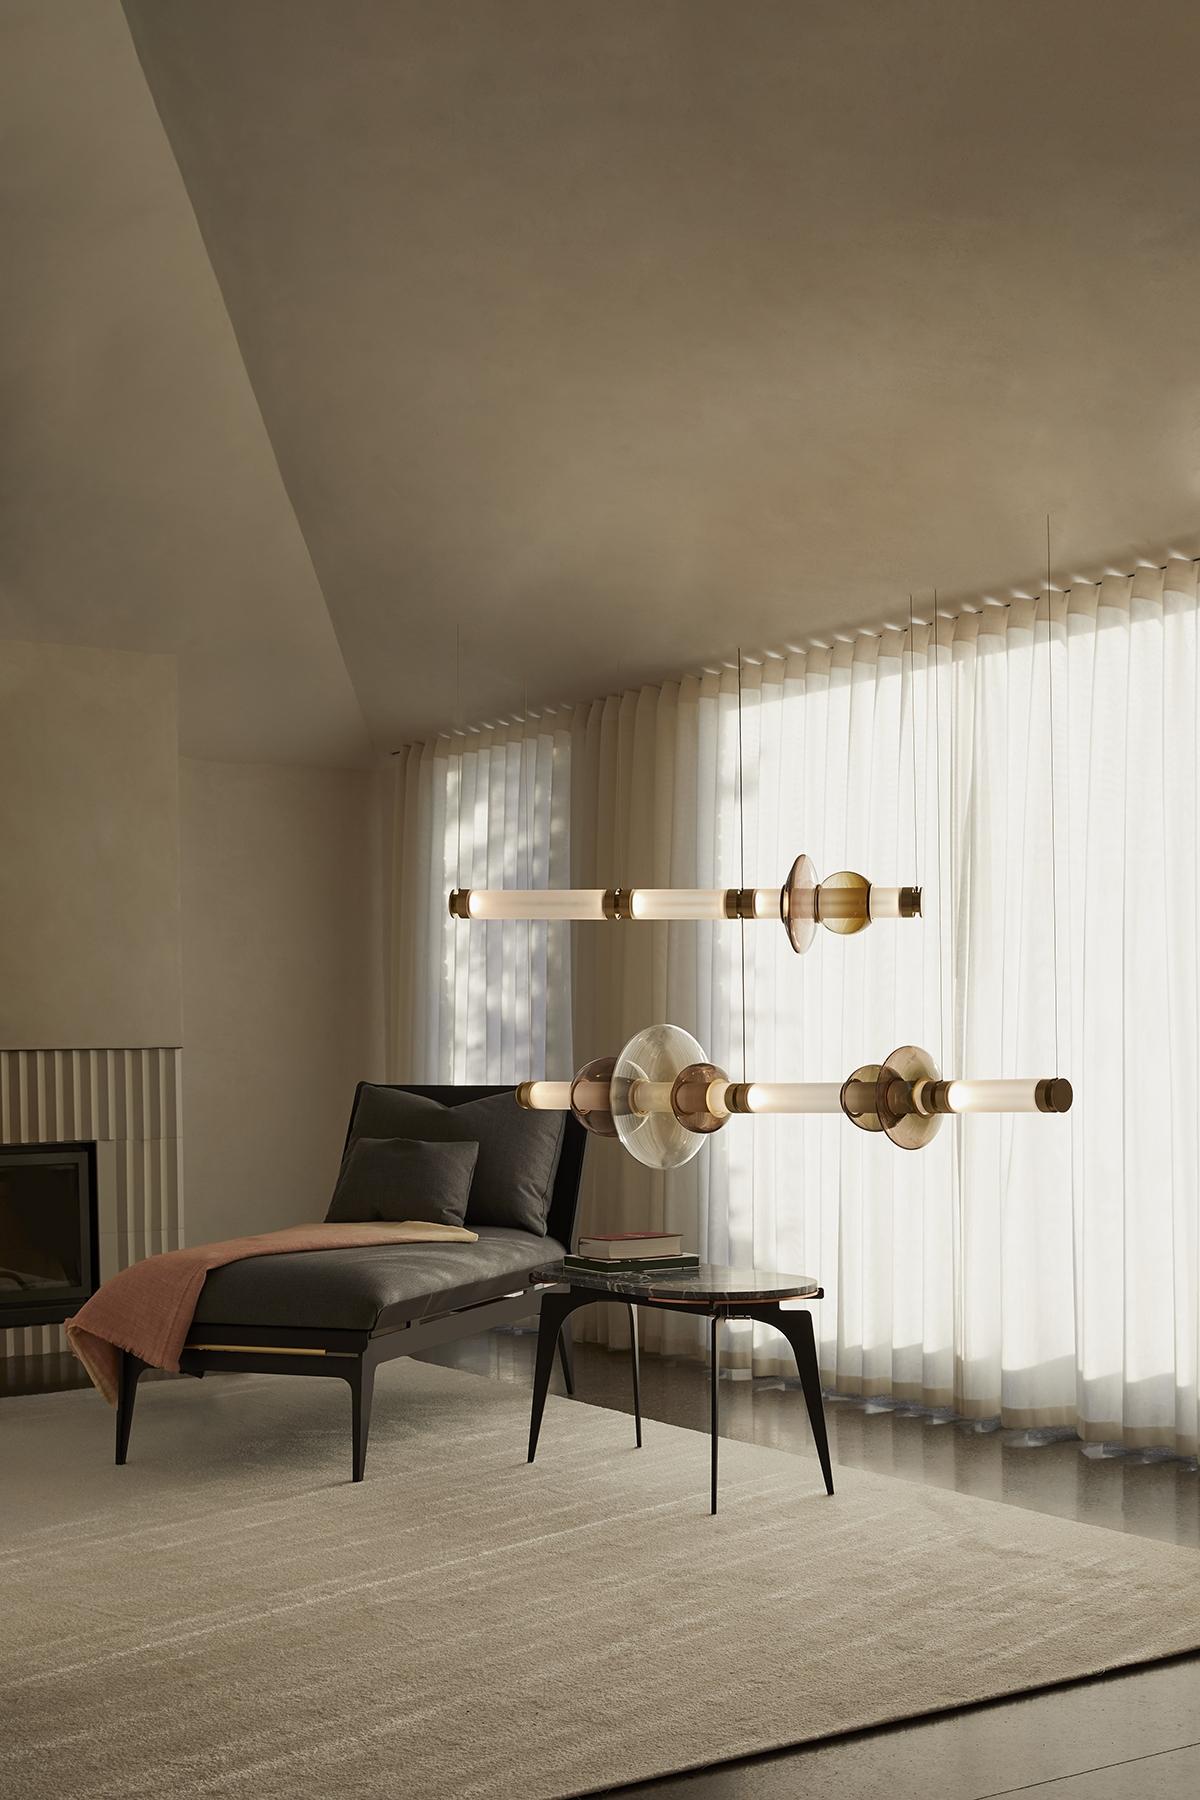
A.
pixel 518 1150
pixel 396 1178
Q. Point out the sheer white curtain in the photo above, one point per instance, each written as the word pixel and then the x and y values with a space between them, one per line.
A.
pixel 489 1002
pixel 1043 1270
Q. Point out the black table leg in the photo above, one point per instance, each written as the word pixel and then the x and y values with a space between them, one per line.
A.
pixel 555 1308
pixel 714 1368
pixel 810 1377
pixel 797 1328
pixel 635 1364
pixel 566 1356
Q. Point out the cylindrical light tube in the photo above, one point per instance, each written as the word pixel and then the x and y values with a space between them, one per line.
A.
pixel 590 904
pixel 1046 1095
pixel 528 903
pixel 587 1095
pixel 650 1096
pixel 545 1096
pixel 678 903
pixel 685 904
pixel 894 902
pixel 717 1098
pixel 754 903
pixel 789 1097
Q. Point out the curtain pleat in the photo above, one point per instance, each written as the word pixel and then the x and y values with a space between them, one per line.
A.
pixel 1035 769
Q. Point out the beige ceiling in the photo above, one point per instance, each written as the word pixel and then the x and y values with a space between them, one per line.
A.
pixel 614 332
pixel 141 506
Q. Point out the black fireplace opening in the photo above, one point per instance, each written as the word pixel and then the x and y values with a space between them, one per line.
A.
pixel 49 1249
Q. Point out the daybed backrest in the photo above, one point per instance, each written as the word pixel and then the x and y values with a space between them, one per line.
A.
pixel 564 1196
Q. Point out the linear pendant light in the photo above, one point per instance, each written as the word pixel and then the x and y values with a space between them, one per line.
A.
pixel 661 1096
pixel 844 903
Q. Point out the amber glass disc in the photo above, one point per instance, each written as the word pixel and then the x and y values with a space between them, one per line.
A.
pixel 911 1131
pixel 798 904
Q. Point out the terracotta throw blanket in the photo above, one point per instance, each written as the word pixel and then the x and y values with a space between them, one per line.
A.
pixel 148 1308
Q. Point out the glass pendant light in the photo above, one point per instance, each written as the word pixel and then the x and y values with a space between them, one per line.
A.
pixel 661 1097
pixel 844 903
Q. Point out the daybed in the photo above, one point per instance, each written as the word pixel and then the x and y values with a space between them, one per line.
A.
pixel 342 1312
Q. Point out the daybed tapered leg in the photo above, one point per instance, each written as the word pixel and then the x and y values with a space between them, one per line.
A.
pixel 128 1375
pixel 362 1391
pixel 566 1356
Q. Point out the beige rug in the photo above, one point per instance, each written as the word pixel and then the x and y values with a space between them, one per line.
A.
pixel 227 1616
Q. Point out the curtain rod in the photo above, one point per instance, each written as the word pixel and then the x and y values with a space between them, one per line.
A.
pixel 973 611
pixel 815 643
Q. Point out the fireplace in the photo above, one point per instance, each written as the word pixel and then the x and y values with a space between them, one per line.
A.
pixel 49 1250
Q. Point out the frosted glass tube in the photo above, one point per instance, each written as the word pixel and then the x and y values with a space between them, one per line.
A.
pixel 884 902
pixel 650 1096
pixel 715 1098
pixel 794 1097
pixel 535 903
pixel 992 1096
pixel 677 903
pixel 588 903
pixel 697 903
pixel 591 1096
pixel 547 1096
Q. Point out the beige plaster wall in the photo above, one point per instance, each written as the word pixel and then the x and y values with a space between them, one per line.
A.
pixel 279 1013
pixel 89 848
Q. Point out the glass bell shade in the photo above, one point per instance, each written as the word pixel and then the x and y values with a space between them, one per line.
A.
pixel 643 1079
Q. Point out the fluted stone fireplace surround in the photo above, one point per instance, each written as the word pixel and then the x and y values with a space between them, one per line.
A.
pixel 128 1102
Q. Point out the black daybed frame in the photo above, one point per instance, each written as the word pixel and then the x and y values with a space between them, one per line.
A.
pixel 354 1356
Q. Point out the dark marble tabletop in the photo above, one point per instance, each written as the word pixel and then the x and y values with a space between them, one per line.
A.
pixel 710 1282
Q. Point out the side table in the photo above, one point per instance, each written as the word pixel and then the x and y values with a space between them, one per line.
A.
pixel 715 1292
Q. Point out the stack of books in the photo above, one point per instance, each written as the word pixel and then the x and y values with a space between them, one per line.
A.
pixel 613 1251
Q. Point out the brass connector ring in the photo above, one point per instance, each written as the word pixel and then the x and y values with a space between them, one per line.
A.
pixel 618 903
pixel 739 903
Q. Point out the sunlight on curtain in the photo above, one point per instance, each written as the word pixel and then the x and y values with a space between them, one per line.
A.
pixel 491 1003
pixel 1044 1270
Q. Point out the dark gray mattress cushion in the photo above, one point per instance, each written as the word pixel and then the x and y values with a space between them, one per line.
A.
pixel 518 1150
pixel 367 1287
pixel 398 1178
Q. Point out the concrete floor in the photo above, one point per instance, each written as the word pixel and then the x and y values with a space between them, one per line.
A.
pixel 1126 1737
